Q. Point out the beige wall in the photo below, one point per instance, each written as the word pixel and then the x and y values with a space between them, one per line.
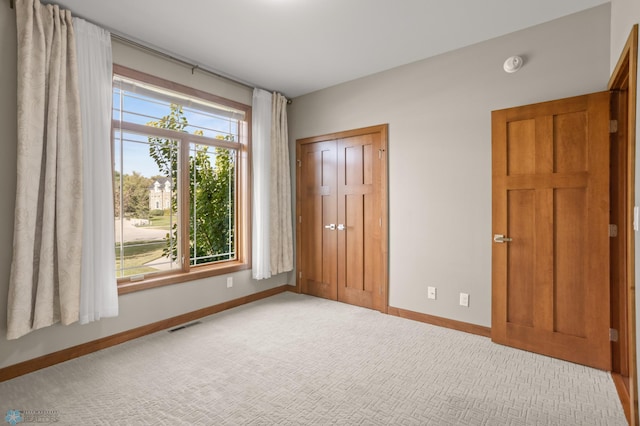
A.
pixel 439 113
pixel 136 309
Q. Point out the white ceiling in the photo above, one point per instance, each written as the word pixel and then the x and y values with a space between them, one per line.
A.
pixel 299 46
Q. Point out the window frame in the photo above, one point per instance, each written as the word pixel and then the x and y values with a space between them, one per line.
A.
pixel 189 272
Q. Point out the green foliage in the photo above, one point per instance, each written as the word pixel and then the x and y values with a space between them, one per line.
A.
pixel 116 193
pixel 214 207
pixel 135 195
pixel 156 213
pixel 211 192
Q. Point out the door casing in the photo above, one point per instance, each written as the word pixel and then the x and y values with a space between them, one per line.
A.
pixel 624 80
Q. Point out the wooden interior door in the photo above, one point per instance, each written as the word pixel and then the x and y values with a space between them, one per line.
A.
pixel 360 273
pixel 317 203
pixel 550 271
pixel 342 219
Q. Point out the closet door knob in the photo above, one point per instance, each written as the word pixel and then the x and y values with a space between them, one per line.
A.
pixel 498 238
pixel 341 227
pixel 331 226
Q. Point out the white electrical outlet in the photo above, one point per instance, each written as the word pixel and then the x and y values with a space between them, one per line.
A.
pixel 464 299
pixel 431 293
pixel 229 282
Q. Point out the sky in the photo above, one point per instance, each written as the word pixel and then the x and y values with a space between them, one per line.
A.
pixel 136 147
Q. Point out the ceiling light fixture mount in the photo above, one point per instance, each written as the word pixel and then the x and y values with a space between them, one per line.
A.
pixel 513 64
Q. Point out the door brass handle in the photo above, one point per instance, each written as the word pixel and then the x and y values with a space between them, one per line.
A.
pixel 499 238
pixel 331 226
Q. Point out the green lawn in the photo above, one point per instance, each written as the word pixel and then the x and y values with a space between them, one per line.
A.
pixel 160 222
pixel 136 256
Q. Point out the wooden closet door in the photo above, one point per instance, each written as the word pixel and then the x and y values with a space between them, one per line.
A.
pixel 342 217
pixel 360 265
pixel 317 219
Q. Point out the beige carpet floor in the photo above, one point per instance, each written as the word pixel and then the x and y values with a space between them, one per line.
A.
pixel 298 360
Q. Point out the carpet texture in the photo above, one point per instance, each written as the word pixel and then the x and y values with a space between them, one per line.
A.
pixel 299 360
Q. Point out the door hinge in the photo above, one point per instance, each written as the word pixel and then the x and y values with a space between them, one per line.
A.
pixel 380 151
pixel 299 163
pixel 299 219
pixel 300 275
pixel 613 126
pixel 613 335
pixel 613 230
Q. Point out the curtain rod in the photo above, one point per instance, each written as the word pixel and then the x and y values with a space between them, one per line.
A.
pixel 157 52
pixel 165 55
pixel 193 67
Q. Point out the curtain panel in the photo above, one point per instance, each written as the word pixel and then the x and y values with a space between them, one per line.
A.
pixel 272 243
pixel 261 155
pixel 44 286
pixel 281 234
pixel 99 288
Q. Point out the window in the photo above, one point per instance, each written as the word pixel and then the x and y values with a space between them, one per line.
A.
pixel 180 182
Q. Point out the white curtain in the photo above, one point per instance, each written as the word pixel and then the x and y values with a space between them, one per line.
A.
pixel 44 286
pixel 281 227
pixel 99 289
pixel 261 154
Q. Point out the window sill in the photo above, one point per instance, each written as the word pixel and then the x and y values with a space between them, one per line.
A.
pixel 196 273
